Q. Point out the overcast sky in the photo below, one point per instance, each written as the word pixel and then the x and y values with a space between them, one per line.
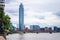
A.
pixel 41 12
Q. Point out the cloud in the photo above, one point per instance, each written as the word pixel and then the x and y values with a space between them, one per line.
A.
pixel 40 17
pixel 42 12
pixel 57 14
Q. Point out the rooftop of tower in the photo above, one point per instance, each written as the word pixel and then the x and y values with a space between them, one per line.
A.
pixel 21 4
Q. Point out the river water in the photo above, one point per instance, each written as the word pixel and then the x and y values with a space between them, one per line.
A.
pixel 34 36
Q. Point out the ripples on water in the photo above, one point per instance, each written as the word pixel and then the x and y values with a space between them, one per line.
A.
pixel 34 36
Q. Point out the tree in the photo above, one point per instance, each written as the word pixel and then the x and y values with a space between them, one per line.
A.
pixel 5 19
pixel 6 22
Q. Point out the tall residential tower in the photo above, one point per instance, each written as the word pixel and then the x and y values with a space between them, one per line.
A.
pixel 21 17
pixel 2 3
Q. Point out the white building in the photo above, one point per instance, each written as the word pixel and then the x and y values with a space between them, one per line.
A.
pixel 2 3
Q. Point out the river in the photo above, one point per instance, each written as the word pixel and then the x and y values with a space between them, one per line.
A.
pixel 34 36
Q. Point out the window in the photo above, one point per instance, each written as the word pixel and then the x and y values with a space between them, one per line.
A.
pixel 1 0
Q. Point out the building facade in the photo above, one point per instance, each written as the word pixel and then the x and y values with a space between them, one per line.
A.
pixel 2 3
pixel 34 27
pixel 21 17
pixel 55 28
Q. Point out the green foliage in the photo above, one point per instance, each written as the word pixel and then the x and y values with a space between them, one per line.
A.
pixel 1 13
pixel 5 18
pixel 6 22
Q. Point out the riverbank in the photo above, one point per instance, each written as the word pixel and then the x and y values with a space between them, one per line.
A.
pixel 2 36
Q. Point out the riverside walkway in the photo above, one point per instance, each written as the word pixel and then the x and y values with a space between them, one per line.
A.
pixel 2 38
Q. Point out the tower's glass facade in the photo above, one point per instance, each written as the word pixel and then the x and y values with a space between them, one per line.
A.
pixel 21 17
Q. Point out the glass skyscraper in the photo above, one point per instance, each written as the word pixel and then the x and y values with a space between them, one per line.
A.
pixel 21 17
pixel 34 27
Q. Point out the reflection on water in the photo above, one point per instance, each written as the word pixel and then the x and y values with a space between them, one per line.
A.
pixel 34 36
